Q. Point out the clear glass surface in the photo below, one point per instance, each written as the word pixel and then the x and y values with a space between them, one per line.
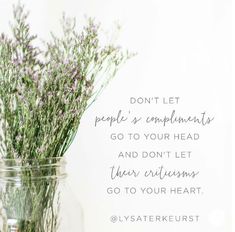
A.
pixel 35 197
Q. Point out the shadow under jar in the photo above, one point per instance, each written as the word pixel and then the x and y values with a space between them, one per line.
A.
pixel 34 197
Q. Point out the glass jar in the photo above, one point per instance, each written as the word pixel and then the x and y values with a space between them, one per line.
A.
pixel 34 197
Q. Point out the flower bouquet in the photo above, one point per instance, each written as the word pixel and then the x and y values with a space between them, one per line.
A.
pixel 43 95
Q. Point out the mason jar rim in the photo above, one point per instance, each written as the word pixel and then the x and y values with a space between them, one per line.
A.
pixel 15 170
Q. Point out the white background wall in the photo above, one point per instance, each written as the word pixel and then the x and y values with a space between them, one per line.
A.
pixel 184 49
